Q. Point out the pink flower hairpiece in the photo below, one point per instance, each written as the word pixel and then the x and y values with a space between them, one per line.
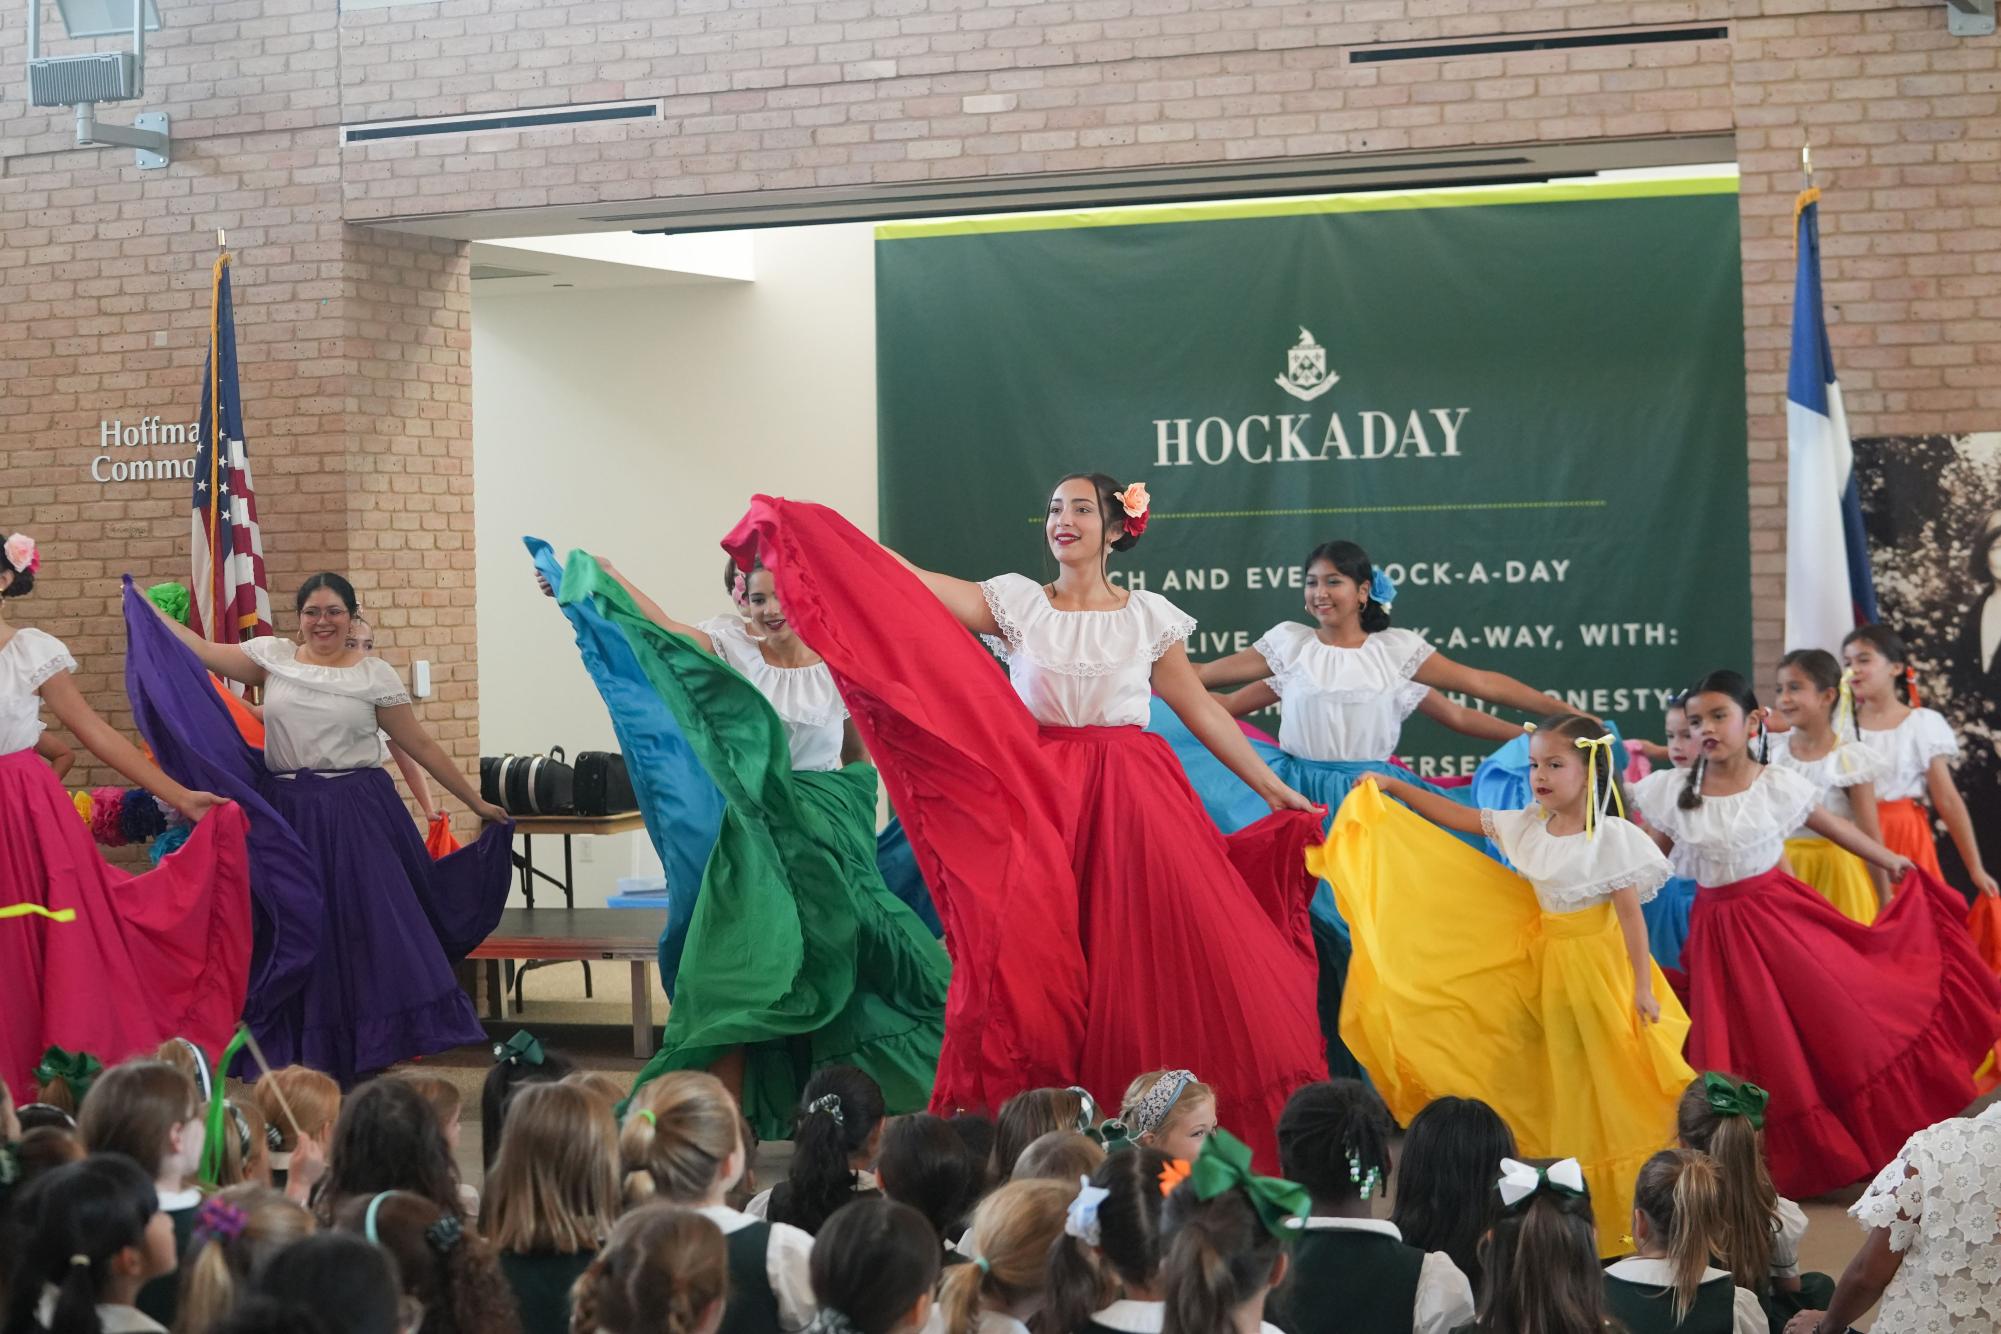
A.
pixel 740 591
pixel 22 555
pixel 220 1220
pixel 1136 503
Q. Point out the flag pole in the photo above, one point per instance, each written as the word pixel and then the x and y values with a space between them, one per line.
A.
pixel 1806 164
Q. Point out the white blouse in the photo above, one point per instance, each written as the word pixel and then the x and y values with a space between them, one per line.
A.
pixel 804 698
pixel 1849 764
pixel 1908 750
pixel 1343 703
pixel 27 661
pixel 1726 839
pixel 1941 1200
pixel 1082 668
pixel 1572 872
pixel 322 718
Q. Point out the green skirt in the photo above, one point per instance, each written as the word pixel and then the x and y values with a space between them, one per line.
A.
pixel 797 952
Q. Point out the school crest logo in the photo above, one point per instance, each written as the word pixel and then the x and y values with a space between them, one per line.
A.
pixel 1306 375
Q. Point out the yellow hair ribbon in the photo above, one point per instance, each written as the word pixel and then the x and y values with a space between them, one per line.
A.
pixel 1844 704
pixel 1591 746
pixel 37 910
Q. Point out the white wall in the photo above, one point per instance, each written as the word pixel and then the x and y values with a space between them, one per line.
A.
pixel 637 424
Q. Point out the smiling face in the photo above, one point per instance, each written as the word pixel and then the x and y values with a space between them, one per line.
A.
pixel 1557 772
pixel 324 622
pixel 1332 598
pixel 1680 740
pixel 1721 728
pixel 1875 676
pixel 1078 530
pixel 761 609
pixel 1802 702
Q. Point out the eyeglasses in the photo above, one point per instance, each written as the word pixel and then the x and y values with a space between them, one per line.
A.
pixel 323 613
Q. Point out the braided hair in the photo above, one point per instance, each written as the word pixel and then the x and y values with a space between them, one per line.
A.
pixel 1738 690
pixel 1334 1139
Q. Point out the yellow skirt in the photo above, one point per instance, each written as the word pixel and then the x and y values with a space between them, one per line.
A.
pixel 1461 985
pixel 1837 875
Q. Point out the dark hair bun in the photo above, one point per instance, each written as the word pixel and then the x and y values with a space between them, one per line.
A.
pixel 22 584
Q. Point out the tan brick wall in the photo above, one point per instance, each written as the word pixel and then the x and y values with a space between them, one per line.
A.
pixel 354 342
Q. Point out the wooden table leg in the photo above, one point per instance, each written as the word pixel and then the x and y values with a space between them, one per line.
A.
pixel 642 1011
pixel 496 1003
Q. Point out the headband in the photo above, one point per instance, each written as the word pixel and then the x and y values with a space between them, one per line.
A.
pixel 21 554
pixel 1727 1097
pixel 1150 1112
pixel 521 1049
pixel 202 1074
pixel 1087 1111
pixel 368 1219
pixel 1225 1164
pixel 1520 1183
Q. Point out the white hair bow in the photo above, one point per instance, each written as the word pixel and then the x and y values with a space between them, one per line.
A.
pixel 1082 1220
pixel 1519 1181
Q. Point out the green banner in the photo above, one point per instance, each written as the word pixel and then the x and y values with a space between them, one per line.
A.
pixel 1526 403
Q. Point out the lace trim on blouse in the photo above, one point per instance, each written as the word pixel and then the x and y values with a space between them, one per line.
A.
pixel 1176 630
pixel 1645 879
pixel 49 668
pixel 1288 667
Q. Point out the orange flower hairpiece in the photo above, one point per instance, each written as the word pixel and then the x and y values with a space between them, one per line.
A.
pixel 1173 1175
pixel 1136 504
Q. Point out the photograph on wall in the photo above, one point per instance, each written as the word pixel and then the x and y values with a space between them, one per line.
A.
pixel 1931 507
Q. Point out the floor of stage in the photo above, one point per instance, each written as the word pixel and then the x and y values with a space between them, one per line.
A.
pixel 597 1034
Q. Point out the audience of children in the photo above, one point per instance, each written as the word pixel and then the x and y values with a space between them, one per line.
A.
pixel 552 1198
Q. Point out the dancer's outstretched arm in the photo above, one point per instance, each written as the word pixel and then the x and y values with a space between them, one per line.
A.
pixel 648 608
pixel 1240 668
pixel 1467 722
pixel 223 659
pixel 1250 699
pixel 1175 680
pixel 1844 834
pixel 1494 687
pixel 1439 810
pixel 962 597
pixel 98 737
pixel 400 721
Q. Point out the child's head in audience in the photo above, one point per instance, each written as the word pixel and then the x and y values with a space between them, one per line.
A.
pixel 976 1132
pixel 925 1164
pixel 1170 1110
pixel 347 1284
pixel 446 1102
pixel 388 1138
pixel 681 1143
pixel 518 1061
pixel 1111 1248
pixel 1026 1118
pixel 66 1083
pixel 148 1111
pixel 302 1105
pixel 1334 1139
pixel 664 1271
pixel 44 1149
pixel 601 1085
pixel 92 1232
pixel 554 1185
pixel 1219 1257
pixel 236 1231
pixel 1013 1232
pixel 1677 1217
pixel 191 1061
pixel 836 1132
pixel 1445 1197
pixel 875 1265
pixel 1061 1155
pixel 1540 1258
pixel 1721 1116
pixel 446 1272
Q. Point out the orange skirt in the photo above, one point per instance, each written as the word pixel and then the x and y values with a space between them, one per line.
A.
pixel 1907 831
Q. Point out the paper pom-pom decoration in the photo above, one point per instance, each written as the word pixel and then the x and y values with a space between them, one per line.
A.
pixel 107 809
pixel 83 804
pixel 169 840
pixel 172 599
pixel 139 817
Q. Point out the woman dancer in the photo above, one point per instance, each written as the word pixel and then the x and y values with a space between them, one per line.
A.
pixel 1861 1034
pixel 1100 925
pixel 1814 701
pixel 1917 746
pixel 95 958
pixel 1540 997
pixel 360 928
pixel 797 956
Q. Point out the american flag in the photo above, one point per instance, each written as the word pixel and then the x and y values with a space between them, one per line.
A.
pixel 232 601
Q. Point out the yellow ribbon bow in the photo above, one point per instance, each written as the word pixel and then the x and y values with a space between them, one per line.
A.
pixel 1591 746
pixel 37 910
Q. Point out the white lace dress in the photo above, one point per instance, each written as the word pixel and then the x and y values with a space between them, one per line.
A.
pixel 27 662
pixel 804 698
pixel 1572 872
pixel 1727 839
pixel 1343 703
pixel 1908 750
pixel 1082 668
pixel 1849 764
pixel 1941 1200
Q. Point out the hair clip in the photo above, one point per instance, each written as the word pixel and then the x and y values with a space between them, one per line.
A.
pixel 220 1220
pixel 831 1105
pixel 445 1234
pixel 1081 1221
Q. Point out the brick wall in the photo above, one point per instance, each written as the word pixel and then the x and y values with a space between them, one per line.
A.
pixel 354 341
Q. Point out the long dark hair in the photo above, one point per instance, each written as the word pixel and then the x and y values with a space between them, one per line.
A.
pixel 872 1261
pixel 1542 1274
pixel 90 1211
pixel 1026 1118
pixel 925 1164
pixel 1451 1154
pixel 497 1094
pixel 1129 1242
pixel 388 1138
pixel 1333 1138
pixel 1353 562
pixel 452 1273
pixel 1216 1254
pixel 1891 645
pixel 1731 684
pixel 840 1110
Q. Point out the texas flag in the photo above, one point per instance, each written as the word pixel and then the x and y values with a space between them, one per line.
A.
pixel 1828 588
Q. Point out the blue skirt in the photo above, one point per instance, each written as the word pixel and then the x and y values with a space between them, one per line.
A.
pixel 1667 916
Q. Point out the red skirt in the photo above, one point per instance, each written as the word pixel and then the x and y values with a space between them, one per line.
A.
pixel 1099 924
pixel 148 957
pixel 1863 1035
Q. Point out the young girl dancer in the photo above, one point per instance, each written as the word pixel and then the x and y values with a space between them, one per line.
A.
pixel 1862 1034
pixel 794 939
pixel 1083 889
pixel 1918 747
pixel 1812 699
pixel 357 927
pixel 177 939
pixel 1540 998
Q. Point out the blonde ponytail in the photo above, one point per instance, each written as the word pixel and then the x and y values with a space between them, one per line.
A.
pixel 1014 1230
pixel 1747 1201
pixel 679 1134
pixel 254 1223
pixel 959 1298
pixel 1681 1193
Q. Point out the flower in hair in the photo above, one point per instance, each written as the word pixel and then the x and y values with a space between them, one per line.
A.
pixel 1173 1175
pixel 1137 505
pixel 740 590
pixel 22 555
pixel 1382 589
pixel 220 1220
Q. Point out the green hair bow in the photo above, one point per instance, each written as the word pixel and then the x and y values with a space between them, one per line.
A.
pixel 1225 1164
pixel 1727 1097
pixel 77 1069
pixel 524 1048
